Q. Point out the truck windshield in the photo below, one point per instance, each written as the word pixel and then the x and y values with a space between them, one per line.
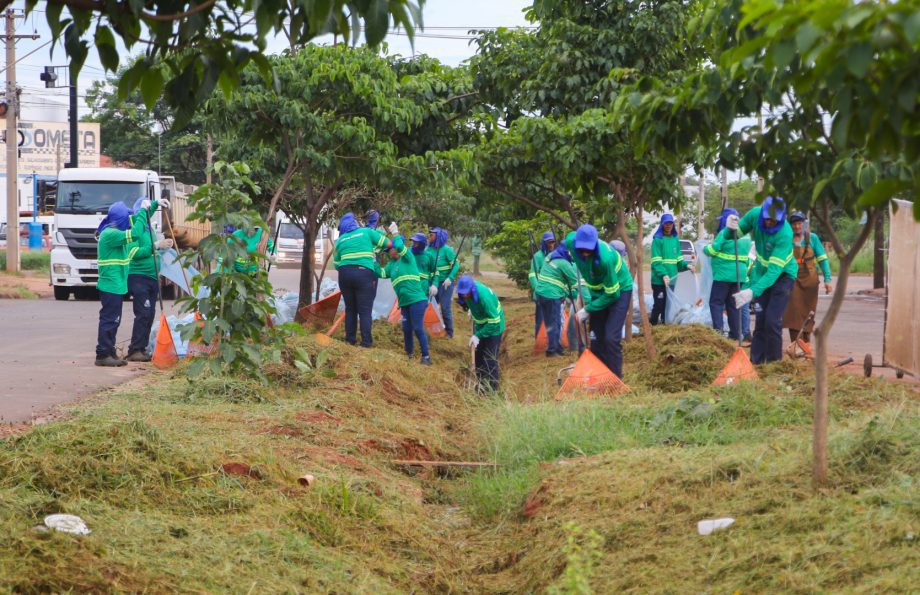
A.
pixel 96 197
pixel 289 231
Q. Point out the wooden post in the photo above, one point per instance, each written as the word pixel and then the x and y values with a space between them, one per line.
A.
pixel 878 253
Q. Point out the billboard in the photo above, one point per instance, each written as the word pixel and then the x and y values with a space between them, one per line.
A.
pixel 45 146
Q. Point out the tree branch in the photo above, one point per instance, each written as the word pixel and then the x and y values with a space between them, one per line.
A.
pixel 532 203
pixel 165 18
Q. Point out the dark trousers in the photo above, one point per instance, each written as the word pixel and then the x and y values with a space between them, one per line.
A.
pixel 574 334
pixel 720 300
pixel 537 316
pixel 607 327
pixel 551 312
pixel 413 321
pixel 358 286
pixel 487 363
pixel 767 345
pixel 661 300
pixel 447 313
pixel 144 292
pixel 109 319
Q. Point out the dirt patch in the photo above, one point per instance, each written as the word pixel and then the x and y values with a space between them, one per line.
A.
pixel 282 431
pixel 412 449
pixel 535 501
pixel 318 417
pixel 321 455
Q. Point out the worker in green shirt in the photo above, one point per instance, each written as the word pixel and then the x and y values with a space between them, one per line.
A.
pixel 355 259
pixel 667 262
pixel 488 326
pixel 556 282
pixel 729 271
pixel 143 280
pixel 425 263
pixel 547 245
pixel 445 271
pixel 251 237
pixel 609 284
pixel 403 272
pixel 809 254
pixel 115 233
pixel 771 278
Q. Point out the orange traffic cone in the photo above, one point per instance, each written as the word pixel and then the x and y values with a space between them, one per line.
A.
pixel 395 316
pixel 590 377
pixel 565 329
pixel 541 343
pixel 322 313
pixel 738 368
pixel 433 324
pixel 164 352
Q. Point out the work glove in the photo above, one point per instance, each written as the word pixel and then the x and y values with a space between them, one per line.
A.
pixel 433 291
pixel 582 315
pixel 732 222
pixel 272 259
pixel 393 228
pixel 743 297
pixel 165 244
pixel 164 203
pixel 666 279
pixel 145 204
pixel 474 341
pixel 446 283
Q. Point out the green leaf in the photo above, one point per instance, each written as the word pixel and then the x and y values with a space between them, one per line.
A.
pixel 782 53
pixel 882 192
pixel 302 366
pixel 806 36
pixel 130 79
pixel 152 86
pixel 859 57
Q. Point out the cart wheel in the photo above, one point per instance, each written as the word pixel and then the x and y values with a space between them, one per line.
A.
pixel 899 373
pixel 867 365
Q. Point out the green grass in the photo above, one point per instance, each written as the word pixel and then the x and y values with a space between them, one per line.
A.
pixel 863 264
pixel 30 260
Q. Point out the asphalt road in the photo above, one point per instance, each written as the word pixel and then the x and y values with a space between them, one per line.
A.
pixel 47 347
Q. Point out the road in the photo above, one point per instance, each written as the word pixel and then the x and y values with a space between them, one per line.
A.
pixel 47 347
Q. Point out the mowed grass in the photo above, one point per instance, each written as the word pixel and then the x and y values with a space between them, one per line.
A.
pixel 193 486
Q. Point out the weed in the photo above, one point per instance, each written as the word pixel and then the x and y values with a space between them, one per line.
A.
pixel 582 554
pixel 17 292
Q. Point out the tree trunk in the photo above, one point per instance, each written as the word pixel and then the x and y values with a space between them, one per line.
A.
pixel 878 253
pixel 306 267
pixel 822 337
pixel 640 287
pixel 476 266
pixel 630 258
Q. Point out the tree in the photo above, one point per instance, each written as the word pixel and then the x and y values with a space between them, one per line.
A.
pixel 840 81
pixel 560 149
pixel 327 130
pixel 191 47
pixel 144 137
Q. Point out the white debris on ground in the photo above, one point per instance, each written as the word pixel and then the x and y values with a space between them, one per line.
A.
pixel 67 523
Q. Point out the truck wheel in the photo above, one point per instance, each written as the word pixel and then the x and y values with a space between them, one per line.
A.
pixel 62 294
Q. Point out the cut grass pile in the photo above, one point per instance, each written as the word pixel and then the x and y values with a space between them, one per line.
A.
pixel 192 486
pixel 17 292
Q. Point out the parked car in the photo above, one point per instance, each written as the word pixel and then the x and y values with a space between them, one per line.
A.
pixel 688 251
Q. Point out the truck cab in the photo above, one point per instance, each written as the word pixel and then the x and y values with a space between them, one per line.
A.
pixel 84 196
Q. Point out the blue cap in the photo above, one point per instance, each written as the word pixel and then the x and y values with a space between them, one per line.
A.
pixel 586 238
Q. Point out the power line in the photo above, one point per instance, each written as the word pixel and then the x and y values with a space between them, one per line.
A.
pixel 26 56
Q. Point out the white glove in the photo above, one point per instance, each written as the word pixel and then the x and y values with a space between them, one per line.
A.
pixel 164 244
pixel 732 222
pixel 474 341
pixel 164 203
pixel 273 259
pixel 582 315
pixel 393 228
pixel 743 297
pixel 666 279
pixel 446 283
pixel 433 291
pixel 145 204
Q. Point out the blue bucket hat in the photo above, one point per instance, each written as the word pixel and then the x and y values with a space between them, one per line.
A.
pixel 373 217
pixel 619 246
pixel 774 208
pixel 119 217
pixel 440 237
pixel 466 286
pixel 666 218
pixel 348 223
pixel 723 218
pixel 547 237
pixel 421 241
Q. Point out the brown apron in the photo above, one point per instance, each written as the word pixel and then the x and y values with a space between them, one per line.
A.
pixel 804 299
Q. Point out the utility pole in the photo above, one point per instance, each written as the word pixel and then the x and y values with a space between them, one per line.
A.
pixel 878 262
pixel 724 187
pixel 210 158
pixel 760 126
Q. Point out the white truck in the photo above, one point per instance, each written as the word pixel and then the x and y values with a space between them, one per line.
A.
pixel 84 196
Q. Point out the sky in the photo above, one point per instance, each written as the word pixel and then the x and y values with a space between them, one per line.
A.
pixel 445 37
